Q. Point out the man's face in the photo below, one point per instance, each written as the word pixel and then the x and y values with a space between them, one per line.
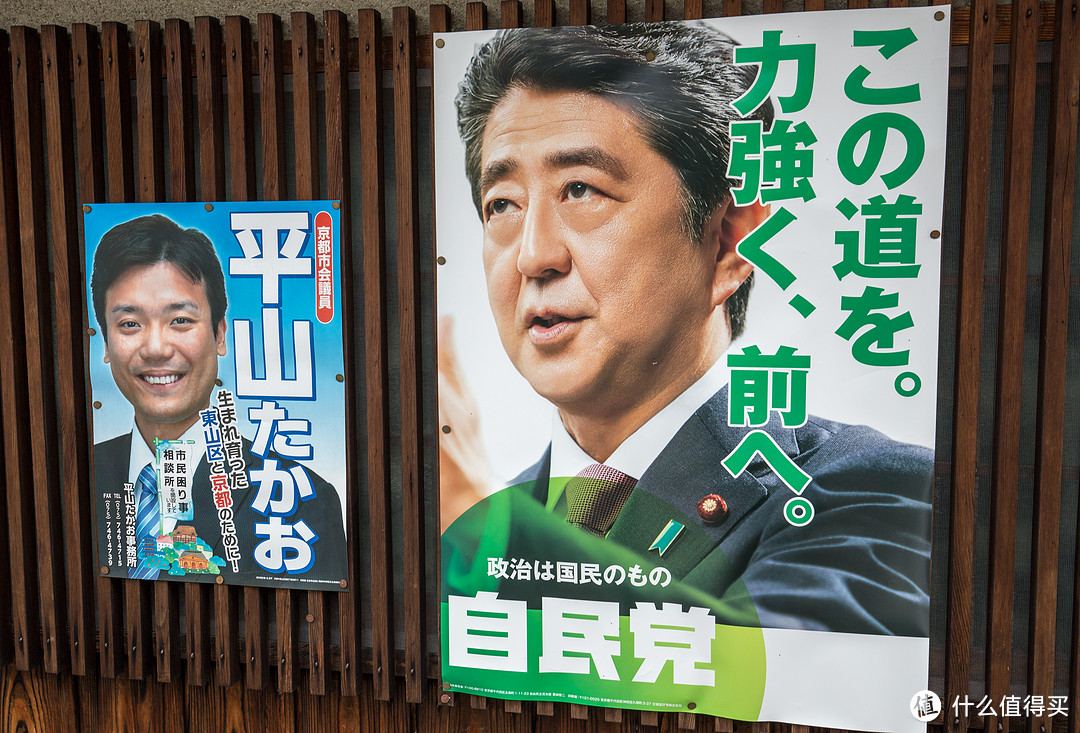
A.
pixel 601 299
pixel 162 347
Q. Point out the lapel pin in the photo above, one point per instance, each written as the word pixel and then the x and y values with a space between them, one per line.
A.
pixel 666 537
pixel 712 509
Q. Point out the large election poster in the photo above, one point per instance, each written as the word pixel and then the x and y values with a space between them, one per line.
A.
pixel 687 291
pixel 217 375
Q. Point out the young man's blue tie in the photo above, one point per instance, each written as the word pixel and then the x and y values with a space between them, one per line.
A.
pixel 148 520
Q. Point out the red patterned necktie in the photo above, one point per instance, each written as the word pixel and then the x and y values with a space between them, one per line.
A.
pixel 595 496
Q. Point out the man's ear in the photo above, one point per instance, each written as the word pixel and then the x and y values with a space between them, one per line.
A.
pixel 220 337
pixel 724 229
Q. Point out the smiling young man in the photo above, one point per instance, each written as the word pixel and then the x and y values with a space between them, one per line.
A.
pixel 597 159
pixel 159 295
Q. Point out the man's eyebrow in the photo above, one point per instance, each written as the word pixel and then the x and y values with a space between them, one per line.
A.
pixel 591 157
pixel 495 171
pixel 588 157
pixel 180 305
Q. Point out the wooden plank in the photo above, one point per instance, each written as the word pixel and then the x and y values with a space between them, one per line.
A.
pixel 376 362
pixel 118 139
pixel 335 48
pixel 38 357
pixel 978 121
pixel 181 111
pixel 544 13
pixel 475 16
pixel 69 307
pixel 1050 410
pixel 121 177
pixel 732 8
pixel 616 11
pixel 242 188
pixel 693 10
pixel 151 159
pixel 649 718
pixel 181 115
pixel 961 19
pixel 1019 142
pixel 613 715
pixel 510 15
pixel 654 11
pixel 410 350
pixel 580 12
pixel 306 165
pixel 86 57
pixel 17 468
pixel 208 73
pixel 811 5
pixel 773 6
pixel 275 188
pixel 439 17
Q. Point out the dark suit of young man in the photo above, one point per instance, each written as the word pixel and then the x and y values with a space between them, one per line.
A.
pixel 322 514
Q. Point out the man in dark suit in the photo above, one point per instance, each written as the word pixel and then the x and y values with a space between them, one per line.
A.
pixel 159 297
pixel 597 159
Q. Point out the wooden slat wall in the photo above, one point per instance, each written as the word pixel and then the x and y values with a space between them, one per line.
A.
pixel 129 668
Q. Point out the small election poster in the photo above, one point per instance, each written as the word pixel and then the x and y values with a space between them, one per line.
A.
pixel 688 322
pixel 217 375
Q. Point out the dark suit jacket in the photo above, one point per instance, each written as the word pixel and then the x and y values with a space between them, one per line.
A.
pixel 322 513
pixel 862 565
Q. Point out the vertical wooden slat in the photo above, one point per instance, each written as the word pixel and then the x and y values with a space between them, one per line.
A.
pixel 181 114
pixel 152 188
pixel 1006 462
pixel 37 314
pixel 208 56
pixel 376 363
pixel 181 110
pixel 208 70
pixel 242 188
pixel 121 176
pixel 580 12
pixel 510 15
pixel 544 13
pixel 475 16
pixel 654 10
pixel 732 8
pixel 274 187
pixel 814 5
pixel 20 517
pixel 86 56
pixel 68 286
pixel 118 139
pixel 616 11
pixel 306 150
pixel 409 317
pixel 1050 409
pixel 336 61
pixel 693 10
pixel 439 19
pixel 773 6
pixel 977 127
